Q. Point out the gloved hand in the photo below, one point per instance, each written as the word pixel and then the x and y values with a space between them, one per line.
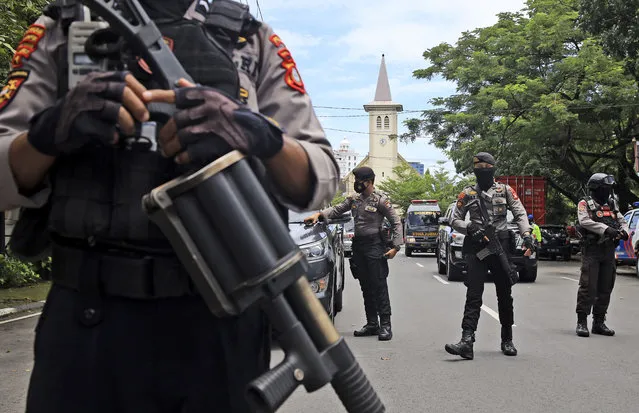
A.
pixel 612 233
pixel 209 124
pixel 475 232
pixel 528 242
pixel 91 112
pixel 624 235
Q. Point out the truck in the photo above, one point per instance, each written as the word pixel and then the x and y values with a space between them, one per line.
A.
pixel 532 193
pixel 421 225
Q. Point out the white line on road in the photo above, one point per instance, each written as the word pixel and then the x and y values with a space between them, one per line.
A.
pixel 571 279
pixel 440 279
pixel 492 313
pixel 419 264
pixel 19 318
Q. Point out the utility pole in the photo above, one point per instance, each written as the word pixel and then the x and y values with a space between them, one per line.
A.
pixel 2 233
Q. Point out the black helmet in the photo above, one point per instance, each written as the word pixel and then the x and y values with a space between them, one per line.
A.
pixel 600 180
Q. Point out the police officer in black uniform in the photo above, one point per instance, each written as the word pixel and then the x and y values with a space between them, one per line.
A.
pixel 601 226
pixel 501 198
pixel 370 251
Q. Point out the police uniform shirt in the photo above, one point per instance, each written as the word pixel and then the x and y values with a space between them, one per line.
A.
pixel 269 80
pixel 503 198
pixel 368 214
pixel 587 223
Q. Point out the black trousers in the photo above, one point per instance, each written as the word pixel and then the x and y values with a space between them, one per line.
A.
pixel 372 271
pixel 153 356
pixel 477 271
pixel 598 274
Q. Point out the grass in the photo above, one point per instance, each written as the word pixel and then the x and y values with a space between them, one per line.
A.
pixel 11 297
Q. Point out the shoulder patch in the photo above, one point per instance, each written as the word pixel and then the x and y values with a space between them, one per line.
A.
pixel 15 79
pixel 461 195
pixel 292 76
pixel 582 206
pixel 27 45
pixel 512 191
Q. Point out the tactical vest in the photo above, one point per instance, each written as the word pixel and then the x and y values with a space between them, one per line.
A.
pixel 96 193
pixel 601 214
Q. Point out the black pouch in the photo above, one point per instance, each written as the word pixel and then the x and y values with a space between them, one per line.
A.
pixel 30 241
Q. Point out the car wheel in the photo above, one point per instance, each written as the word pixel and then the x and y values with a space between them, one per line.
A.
pixel 453 273
pixel 409 252
pixel 442 268
pixel 567 256
pixel 339 304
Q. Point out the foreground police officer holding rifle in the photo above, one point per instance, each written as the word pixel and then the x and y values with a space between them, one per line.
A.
pixel 601 226
pixel 123 328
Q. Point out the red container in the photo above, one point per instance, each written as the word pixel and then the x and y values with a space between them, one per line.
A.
pixel 532 193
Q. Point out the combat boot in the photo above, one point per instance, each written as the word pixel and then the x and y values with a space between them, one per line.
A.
pixel 385 332
pixel 507 346
pixel 465 346
pixel 599 327
pixel 371 328
pixel 582 325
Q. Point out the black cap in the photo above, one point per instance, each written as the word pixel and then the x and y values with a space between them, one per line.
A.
pixel 363 173
pixel 484 157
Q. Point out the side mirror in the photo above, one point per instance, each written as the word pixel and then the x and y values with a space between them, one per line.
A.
pixel 342 219
pixel 444 221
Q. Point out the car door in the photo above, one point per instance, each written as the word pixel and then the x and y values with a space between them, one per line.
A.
pixel 632 218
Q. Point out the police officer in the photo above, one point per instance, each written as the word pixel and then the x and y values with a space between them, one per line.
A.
pixel 123 329
pixel 369 263
pixel 535 228
pixel 601 226
pixel 502 197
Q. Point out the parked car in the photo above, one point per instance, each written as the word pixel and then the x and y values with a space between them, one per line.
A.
pixel 450 258
pixel 420 226
pixel 324 248
pixel 349 233
pixel 625 252
pixel 555 242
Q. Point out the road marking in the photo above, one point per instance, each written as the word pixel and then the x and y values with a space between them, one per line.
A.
pixel 570 279
pixel 492 313
pixel 440 279
pixel 19 318
pixel 419 264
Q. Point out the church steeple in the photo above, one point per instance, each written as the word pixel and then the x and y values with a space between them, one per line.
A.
pixel 383 93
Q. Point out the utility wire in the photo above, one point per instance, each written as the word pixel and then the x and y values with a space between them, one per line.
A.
pixel 259 9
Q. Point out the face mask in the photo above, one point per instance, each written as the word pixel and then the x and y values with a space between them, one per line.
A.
pixel 485 177
pixel 601 194
pixel 359 187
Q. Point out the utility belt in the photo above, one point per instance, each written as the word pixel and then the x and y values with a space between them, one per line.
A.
pixel 119 275
pixel 368 239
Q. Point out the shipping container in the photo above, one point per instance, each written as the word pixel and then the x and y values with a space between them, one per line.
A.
pixel 532 193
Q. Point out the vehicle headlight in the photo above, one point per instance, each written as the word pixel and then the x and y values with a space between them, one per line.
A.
pixel 410 239
pixel 320 286
pixel 316 250
pixel 457 239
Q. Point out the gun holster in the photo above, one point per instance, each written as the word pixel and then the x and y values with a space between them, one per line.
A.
pixel 29 239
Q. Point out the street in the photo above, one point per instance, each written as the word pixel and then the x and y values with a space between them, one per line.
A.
pixel 555 371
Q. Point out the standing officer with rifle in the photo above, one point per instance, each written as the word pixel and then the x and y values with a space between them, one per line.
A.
pixel 123 329
pixel 487 245
pixel 370 251
pixel 601 226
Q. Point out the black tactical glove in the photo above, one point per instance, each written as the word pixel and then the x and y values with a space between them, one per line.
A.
pixel 624 235
pixel 88 113
pixel 613 233
pixel 475 232
pixel 528 242
pixel 210 124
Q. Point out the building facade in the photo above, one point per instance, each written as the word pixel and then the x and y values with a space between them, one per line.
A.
pixel 347 158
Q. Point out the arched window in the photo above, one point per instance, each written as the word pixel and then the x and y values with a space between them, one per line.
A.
pixel 386 122
pixel 379 122
pixel 382 174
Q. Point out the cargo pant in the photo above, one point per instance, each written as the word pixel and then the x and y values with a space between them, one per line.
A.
pixel 598 274
pixel 371 270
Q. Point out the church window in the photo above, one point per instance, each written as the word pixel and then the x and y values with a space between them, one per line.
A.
pixel 386 122
pixel 379 122
pixel 382 174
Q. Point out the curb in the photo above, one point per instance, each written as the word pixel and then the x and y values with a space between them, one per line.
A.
pixel 26 307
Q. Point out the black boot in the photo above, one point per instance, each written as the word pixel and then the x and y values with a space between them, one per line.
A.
pixel 582 325
pixel 385 332
pixel 371 328
pixel 465 346
pixel 507 346
pixel 599 327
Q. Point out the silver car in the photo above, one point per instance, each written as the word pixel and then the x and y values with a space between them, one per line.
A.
pixel 349 232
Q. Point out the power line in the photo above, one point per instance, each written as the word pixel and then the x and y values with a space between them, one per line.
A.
pixel 259 9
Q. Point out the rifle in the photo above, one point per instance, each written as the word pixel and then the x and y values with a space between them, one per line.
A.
pixel 493 245
pixel 207 213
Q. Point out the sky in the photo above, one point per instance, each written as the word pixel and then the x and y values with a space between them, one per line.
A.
pixel 338 45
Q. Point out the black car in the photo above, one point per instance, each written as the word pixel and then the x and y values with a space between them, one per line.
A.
pixel 451 261
pixel 324 248
pixel 555 242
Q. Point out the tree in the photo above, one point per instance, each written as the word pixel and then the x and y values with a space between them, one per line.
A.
pixel 538 93
pixel 338 199
pixel 15 17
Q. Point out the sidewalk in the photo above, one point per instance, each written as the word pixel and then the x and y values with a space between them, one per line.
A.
pixel 4 312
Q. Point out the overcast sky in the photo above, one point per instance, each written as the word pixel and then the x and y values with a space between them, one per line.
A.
pixel 338 46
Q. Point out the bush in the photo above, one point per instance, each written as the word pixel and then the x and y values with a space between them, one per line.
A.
pixel 15 273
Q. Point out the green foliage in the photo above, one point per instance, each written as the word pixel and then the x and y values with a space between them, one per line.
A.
pixel 15 273
pixel 15 17
pixel 338 199
pixel 410 185
pixel 541 95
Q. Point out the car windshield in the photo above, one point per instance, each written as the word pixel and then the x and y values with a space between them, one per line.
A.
pixel 298 217
pixel 554 230
pixel 422 218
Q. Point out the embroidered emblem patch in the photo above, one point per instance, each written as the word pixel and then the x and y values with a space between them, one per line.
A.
pixel 27 45
pixel 15 79
pixel 600 214
pixel 244 95
pixel 145 66
pixel 582 206
pixel 512 191
pixel 292 76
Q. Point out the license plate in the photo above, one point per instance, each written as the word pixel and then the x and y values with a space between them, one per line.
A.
pixel 554 250
pixel 431 234
pixel 417 234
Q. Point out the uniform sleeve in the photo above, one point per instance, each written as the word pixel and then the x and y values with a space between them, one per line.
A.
pixel 458 220
pixel 31 87
pixel 622 222
pixel 282 97
pixel 586 222
pixel 387 210
pixel 519 212
pixel 337 210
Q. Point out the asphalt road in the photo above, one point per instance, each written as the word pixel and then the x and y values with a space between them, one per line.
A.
pixel 555 371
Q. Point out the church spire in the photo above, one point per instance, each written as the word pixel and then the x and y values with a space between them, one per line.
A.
pixel 383 93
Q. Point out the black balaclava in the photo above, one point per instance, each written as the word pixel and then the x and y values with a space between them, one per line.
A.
pixel 362 174
pixel 485 176
pixel 602 194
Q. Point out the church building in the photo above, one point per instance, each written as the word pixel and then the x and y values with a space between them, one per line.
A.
pixel 383 155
